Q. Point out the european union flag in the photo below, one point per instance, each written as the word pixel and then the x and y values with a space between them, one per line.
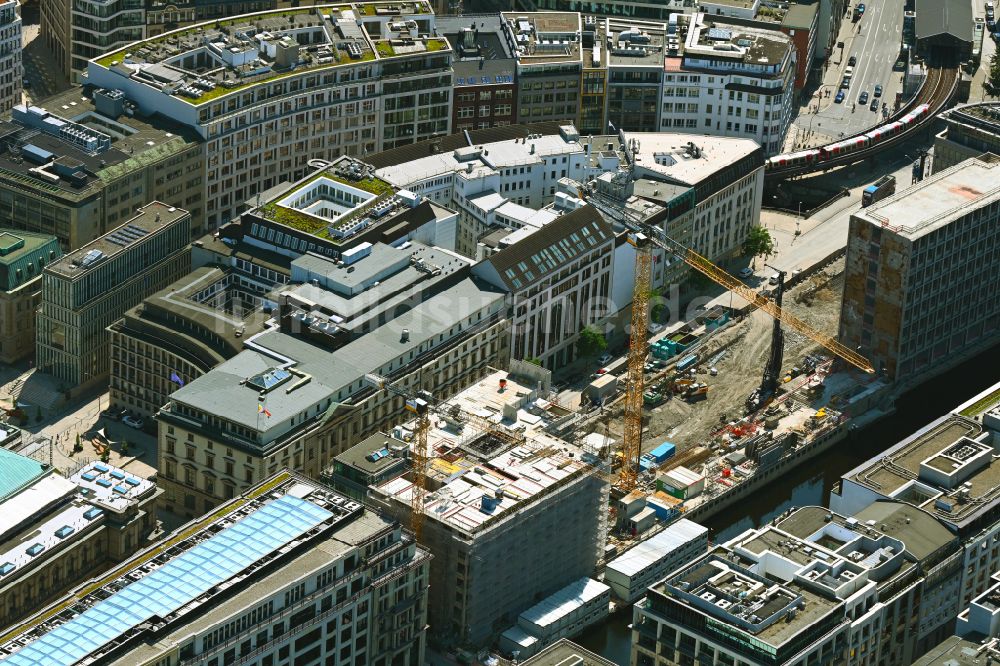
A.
pixel 175 379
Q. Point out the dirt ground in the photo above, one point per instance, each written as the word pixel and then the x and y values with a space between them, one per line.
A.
pixel 816 302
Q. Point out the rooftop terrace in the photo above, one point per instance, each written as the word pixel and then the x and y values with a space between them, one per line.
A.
pixel 711 37
pixel 537 38
pixel 204 62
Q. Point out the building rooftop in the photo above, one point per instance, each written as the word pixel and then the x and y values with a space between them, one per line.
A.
pixel 800 16
pixel 17 471
pixel 540 38
pixel 548 249
pixel 685 159
pixel 21 249
pixel 314 377
pixel 656 548
pixel 210 301
pixel 204 62
pixel 555 607
pixel 491 454
pixel 207 561
pixel 51 513
pixel 565 652
pixel 746 602
pixel 712 40
pixel 629 43
pixel 947 468
pixel 374 454
pixel 494 155
pixel 150 219
pixel 64 146
pixel 938 200
pixel 954 651
pixel 936 17
pixel 482 55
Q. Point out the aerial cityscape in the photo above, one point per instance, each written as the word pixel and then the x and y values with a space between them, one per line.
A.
pixel 499 332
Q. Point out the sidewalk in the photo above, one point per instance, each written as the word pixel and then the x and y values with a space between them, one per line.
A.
pixel 819 100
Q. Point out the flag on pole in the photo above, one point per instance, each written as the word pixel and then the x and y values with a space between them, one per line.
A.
pixel 263 410
pixel 175 378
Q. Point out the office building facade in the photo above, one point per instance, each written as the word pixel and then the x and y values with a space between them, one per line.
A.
pixel 920 284
pixel 324 84
pixel 86 291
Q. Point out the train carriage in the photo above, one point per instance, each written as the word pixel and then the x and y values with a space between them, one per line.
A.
pixel 854 144
pixel 793 159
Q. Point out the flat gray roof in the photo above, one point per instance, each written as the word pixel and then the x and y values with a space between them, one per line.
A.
pixel 952 17
pixel 223 392
pixel 937 201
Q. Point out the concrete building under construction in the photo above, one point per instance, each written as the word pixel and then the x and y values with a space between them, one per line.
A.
pixel 513 512
pixel 922 284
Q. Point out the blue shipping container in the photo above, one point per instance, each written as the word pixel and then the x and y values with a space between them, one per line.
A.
pixel 663 451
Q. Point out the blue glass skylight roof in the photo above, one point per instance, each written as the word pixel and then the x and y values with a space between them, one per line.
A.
pixel 174 584
pixel 269 379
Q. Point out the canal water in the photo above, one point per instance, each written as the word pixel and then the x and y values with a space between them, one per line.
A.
pixel 810 483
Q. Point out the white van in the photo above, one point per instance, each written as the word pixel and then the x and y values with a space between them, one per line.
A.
pixel 848 73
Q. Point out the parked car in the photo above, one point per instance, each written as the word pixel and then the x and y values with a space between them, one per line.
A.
pixel 746 272
pixel 878 90
pixel 840 97
pixel 852 61
pixel 773 279
pixel 133 422
pixel 654 328
pixel 863 97
pixel 605 359
pixel 113 413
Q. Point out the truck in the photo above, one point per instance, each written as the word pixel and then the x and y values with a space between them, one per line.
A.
pixel 657 456
pixel 880 189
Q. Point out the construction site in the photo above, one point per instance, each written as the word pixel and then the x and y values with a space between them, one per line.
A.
pixel 729 400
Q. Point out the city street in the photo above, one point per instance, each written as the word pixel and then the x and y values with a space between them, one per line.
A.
pixel 875 41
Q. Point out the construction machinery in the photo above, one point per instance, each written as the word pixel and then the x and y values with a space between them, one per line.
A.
pixel 419 404
pixel 772 370
pixel 643 237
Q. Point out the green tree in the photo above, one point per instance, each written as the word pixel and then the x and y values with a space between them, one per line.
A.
pixel 758 243
pixel 534 360
pixel 991 86
pixel 591 343
pixel 124 447
pixel 106 455
pixel 78 446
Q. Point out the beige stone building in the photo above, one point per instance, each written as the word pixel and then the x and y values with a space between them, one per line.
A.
pixel 297 395
pixel 23 255
pixel 57 532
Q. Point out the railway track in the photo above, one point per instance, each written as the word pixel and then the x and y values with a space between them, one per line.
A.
pixel 936 92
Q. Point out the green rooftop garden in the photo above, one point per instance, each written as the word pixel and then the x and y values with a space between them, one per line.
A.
pixel 982 405
pixel 317 226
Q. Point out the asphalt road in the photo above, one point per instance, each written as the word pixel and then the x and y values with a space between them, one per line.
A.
pixel 876 46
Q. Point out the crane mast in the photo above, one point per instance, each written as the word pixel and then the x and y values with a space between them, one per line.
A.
pixel 643 237
pixel 632 437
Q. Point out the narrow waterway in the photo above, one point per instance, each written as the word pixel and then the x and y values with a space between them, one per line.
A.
pixel 810 483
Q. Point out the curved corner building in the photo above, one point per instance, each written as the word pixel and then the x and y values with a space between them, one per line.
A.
pixel 269 91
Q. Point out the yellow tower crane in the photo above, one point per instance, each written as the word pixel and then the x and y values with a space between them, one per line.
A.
pixel 643 237
pixel 419 404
